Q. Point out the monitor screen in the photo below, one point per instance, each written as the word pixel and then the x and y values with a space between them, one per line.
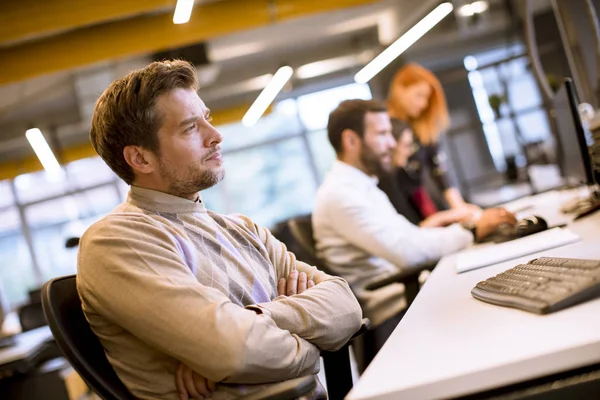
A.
pixel 573 153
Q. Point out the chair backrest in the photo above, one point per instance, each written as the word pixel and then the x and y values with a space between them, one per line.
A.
pixel 302 232
pixel 31 316
pixel 76 340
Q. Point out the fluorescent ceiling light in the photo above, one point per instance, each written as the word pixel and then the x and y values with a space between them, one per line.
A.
pixel 248 85
pixel 183 11
pixel 43 151
pixel 266 97
pixel 403 43
pixel 324 67
pixel 470 63
pixel 477 7
pixel 222 53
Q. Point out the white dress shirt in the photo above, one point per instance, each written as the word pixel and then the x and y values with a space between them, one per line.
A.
pixel 361 236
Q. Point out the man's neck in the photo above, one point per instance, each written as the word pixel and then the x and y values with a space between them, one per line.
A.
pixel 356 164
pixel 161 188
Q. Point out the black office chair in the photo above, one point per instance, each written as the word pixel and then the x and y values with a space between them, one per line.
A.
pixel 31 316
pixel 302 232
pixel 303 246
pixel 76 340
pixel 84 351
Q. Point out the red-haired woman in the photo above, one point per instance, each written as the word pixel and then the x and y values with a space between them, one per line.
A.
pixel 416 97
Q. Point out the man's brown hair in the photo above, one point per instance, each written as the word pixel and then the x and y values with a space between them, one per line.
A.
pixel 125 113
pixel 350 114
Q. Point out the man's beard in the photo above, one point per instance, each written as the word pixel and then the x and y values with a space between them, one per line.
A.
pixel 372 162
pixel 194 182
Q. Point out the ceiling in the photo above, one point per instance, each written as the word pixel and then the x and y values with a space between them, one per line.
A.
pixel 55 62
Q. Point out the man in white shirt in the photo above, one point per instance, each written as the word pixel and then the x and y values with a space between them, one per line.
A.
pixel 356 228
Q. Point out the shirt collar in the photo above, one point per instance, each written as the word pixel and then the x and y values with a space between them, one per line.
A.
pixel 154 200
pixel 342 169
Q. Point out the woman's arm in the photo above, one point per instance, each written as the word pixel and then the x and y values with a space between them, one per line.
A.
pixel 454 198
pixel 456 201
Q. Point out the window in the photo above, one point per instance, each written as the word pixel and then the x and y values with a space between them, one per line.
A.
pixel 282 121
pixel 38 185
pixel 6 194
pixel 534 125
pixel 314 108
pixel 52 222
pixel 16 272
pixel 53 258
pixel 270 183
pixel 522 113
pixel 98 201
pixel 216 199
pixel 59 210
pixel 499 54
pixel 322 151
pixel 88 172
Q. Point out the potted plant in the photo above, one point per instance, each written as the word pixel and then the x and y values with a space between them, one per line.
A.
pixel 496 100
pixel 553 82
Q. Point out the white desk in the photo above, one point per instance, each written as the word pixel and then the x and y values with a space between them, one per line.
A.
pixel 449 344
pixel 27 344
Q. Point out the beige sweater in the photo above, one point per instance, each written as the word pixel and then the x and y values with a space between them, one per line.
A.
pixel 163 281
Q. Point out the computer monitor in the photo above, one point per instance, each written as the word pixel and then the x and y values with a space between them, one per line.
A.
pixel 573 149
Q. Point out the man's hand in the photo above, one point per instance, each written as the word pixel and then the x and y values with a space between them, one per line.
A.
pixel 296 283
pixel 491 219
pixel 192 385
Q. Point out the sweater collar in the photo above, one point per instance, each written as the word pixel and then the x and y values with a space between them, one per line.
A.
pixel 154 200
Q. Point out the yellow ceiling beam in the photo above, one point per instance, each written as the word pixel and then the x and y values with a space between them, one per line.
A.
pixel 150 33
pixel 11 169
pixel 288 9
pixel 27 19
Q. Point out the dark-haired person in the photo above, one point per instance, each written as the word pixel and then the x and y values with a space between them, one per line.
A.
pixel 357 231
pixel 185 301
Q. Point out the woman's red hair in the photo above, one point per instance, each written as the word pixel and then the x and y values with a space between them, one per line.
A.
pixel 434 118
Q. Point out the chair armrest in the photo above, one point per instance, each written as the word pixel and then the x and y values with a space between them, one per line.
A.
pixel 365 326
pixel 287 390
pixel 408 274
pixel 338 371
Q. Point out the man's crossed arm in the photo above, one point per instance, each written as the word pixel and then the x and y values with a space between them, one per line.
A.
pixel 132 267
pixel 191 384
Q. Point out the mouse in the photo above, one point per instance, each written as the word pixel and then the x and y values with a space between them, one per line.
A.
pixel 530 225
pixel 524 227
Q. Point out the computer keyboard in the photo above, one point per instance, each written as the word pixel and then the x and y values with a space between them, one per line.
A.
pixel 543 285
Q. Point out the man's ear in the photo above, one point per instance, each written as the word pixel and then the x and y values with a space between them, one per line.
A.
pixel 350 140
pixel 139 159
